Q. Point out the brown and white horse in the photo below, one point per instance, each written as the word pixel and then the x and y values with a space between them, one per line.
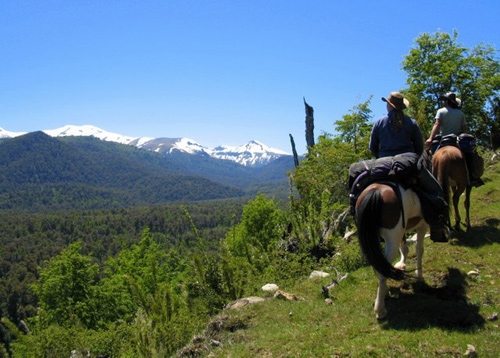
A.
pixel 450 170
pixel 384 215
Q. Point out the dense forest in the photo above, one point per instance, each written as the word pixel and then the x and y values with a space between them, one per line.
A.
pixel 142 280
pixel 27 241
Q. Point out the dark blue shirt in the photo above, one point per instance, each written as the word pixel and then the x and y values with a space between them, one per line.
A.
pixel 385 141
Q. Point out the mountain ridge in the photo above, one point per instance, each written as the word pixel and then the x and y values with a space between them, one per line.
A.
pixel 42 173
pixel 253 153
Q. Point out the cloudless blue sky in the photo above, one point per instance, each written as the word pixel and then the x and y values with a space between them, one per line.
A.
pixel 218 72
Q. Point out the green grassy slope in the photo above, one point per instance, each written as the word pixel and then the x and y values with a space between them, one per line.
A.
pixel 441 316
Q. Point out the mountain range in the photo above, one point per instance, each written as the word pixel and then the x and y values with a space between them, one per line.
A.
pixel 55 170
pixel 252 153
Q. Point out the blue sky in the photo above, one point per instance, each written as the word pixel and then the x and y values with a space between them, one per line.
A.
pixel 218 72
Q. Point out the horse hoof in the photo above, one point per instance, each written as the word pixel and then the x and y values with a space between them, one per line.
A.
pixel 400 266
pixel 381 315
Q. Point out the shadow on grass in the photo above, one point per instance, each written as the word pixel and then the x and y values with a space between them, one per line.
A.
pixel 417 306
pixel 479 236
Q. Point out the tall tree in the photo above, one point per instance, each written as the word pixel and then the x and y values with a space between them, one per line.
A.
pixel 439 64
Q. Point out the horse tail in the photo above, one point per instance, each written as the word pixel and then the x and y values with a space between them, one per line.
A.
pixel 368 213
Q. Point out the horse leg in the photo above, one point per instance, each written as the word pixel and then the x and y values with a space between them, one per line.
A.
pixel 419 248
pixel 379 308
pixel 456 198
pixel 403 249
pixel 467 206
pixel 391 251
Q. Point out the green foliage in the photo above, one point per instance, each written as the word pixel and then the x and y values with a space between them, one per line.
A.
pixel 261 227
pixel 66 289
pixel 140 287
pixel 354 128
pixel 321 181
pixel 325 170
pixel 115 341
pixel 286 267
pixel 437 64
pixel 28 241
pixel 349 257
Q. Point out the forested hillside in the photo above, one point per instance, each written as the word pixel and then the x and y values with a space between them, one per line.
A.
pixel 41 173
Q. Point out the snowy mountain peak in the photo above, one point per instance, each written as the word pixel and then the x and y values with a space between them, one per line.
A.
pixel 88 131
pixel 253 153
pixel 258 147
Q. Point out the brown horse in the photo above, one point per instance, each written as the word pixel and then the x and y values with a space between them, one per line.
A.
pixel 450 170
pixel 385 213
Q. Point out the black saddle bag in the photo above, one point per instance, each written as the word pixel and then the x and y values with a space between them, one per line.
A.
pixel 398 168
pixel 467 143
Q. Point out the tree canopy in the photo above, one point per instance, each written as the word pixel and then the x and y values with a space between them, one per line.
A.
pixel 438 64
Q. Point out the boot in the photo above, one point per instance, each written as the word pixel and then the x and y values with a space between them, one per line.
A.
pixel 437 230
pixel 438 234
pixel 476 182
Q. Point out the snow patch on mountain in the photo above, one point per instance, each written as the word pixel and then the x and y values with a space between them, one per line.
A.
pixel 6 134
pixel 253 153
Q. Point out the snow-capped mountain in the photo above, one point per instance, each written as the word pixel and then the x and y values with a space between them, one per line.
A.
pixel 252 153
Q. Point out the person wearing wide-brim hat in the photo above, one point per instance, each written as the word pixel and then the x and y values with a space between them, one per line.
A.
pixel 395 132
pixel 451 99
pixel 449 119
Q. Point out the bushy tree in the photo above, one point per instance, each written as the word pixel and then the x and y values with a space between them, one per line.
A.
pixel 67 289
pixel 262 225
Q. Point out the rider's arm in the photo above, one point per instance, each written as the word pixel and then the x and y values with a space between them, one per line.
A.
pixel 434 131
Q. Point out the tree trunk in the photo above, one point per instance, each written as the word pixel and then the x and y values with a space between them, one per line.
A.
pixel 309 125
pixel 294 151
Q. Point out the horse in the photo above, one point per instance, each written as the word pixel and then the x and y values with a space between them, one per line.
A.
pixel 450 169
pixel 385 211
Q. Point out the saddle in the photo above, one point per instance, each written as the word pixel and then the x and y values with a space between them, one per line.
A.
pixel 403 169
pixel 464 141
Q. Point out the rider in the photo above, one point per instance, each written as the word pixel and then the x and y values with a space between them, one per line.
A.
pixel 396 133
pixel 451 120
